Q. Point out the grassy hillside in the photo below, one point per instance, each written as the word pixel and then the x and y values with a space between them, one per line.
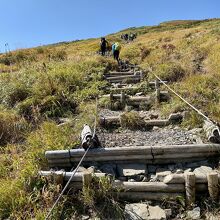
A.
pixel 38 86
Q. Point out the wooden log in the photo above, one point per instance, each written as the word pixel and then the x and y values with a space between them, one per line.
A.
pixel 154 196
pixel 115 158
pixel 212 131
pixel 57 153
pixel 164 96
pixel 158 123
pixel 78 177
pixel 190 183
pixel 119 73
pixel 180 178
pixel 110 121
pixel 157 91
pixel 155 150
pixel 150 187
pixel 131 79
pixel 123 99
pixel 124 89
pixel 139 99
pixel 213 185
pixel 187 148
pixel 157 187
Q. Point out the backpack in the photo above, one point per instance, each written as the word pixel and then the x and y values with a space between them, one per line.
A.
pixel 117 46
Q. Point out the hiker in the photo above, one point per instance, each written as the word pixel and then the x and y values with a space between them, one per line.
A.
pixel 116 50
pixel 103 45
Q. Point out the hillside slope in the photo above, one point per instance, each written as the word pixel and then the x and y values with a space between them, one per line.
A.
pixel 40 86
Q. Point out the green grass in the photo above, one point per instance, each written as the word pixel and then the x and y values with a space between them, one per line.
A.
pixel 40 85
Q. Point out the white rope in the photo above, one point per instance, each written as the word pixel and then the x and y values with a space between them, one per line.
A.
pixel 74 172
pixel 194 108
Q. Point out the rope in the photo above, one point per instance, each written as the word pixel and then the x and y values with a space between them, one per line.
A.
pixel 194 108
pixel 75 170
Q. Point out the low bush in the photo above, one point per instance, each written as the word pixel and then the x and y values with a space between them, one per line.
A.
pixel 132 120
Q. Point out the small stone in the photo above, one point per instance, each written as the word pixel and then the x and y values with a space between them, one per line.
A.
pixel 194 214
pixel 179 171
pixel 131 169
pixel 161 175
pixel 131 180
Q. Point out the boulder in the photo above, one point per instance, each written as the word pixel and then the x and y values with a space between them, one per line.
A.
pixel 131 169
pixel 139 211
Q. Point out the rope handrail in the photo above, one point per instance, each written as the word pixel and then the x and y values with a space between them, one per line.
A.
pixel 75 170
pixel 184 100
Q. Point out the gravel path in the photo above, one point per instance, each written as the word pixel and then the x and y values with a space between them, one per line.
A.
pixel 158 136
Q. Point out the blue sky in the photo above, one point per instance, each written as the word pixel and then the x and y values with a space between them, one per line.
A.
pixel 28 23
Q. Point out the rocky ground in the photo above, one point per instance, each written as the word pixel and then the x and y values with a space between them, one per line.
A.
pixel 170 135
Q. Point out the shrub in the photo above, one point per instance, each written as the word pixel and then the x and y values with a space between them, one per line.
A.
pixel 12 127
pixel 171 72
pixel 132 120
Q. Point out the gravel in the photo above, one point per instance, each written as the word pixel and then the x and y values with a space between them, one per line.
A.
pixel 158 136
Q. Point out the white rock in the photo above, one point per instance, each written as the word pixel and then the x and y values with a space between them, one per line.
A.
pixel 131 169
pixel 202 171
pixel 194 214
pixel 139 211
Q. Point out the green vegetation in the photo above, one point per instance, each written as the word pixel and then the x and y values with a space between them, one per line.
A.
pixel 39 86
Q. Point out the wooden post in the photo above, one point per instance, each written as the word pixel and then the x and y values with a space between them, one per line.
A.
pixel 111 100
pixel 213 185
pixel 157 88
pixel 58 178
pixel 190 182
pixel 122 99
pixel 86 178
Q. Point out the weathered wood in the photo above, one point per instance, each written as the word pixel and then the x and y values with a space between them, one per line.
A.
pixel 110 121
pixel 154 196
pixel 157 187
pixel 212 131
pixel 164 96
pixel 213 185
pixel 131 79
pixel 150 187
pixel 110 74
pixel 157 122
pixel 157 91
pixel 78 177
pixel 180 178
pixel 190 183
pixel 138 150
pixel 123 99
